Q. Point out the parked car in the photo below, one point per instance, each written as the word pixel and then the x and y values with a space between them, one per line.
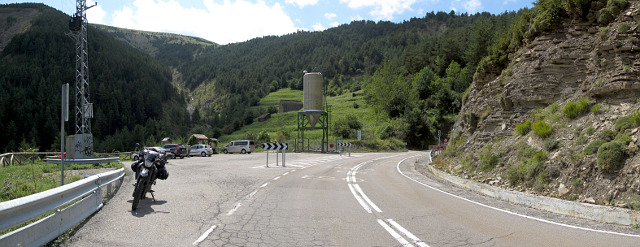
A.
pixel 176 150
pixel 134 155
pixel 241 146
pixel 201 149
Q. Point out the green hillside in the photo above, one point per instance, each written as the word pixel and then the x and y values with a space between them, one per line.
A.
pixel 341 106
pixel 132 92
pixel 410 78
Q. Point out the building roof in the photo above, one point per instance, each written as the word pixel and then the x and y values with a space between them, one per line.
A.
pixel 200 137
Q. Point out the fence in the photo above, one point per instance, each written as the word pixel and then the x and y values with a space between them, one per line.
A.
pixel 62 208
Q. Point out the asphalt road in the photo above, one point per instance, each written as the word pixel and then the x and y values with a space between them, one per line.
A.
pixel 375 199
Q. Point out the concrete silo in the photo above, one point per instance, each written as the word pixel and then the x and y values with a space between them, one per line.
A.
pixel 315 111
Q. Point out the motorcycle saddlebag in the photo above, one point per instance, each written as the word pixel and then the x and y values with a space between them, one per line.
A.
pixel 163 173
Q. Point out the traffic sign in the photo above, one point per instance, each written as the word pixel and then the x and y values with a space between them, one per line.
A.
pixel 275 146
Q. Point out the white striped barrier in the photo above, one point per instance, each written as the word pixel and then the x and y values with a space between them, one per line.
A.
pixel 277 147
pixel 345 144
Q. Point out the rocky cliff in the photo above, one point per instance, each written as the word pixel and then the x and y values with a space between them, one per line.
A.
pixel 579 61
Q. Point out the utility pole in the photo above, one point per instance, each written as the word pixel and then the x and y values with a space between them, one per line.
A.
pixel 83 147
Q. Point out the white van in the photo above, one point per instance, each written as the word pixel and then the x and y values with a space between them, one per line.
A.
pixel 241 146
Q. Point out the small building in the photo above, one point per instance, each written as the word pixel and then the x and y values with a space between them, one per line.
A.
pixel 202 139
pixel 289 105
pixel 167 140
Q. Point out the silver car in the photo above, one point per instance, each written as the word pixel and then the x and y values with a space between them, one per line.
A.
pixel 241 146
pixel 201 149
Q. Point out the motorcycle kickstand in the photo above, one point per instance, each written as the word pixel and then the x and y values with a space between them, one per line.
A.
pixel 152 196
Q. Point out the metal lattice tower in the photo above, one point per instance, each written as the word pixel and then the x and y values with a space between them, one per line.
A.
pixel 84 109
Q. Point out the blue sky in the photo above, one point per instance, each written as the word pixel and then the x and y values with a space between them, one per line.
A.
pixel 230 21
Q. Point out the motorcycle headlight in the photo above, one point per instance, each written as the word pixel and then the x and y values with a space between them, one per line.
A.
pixel 148 163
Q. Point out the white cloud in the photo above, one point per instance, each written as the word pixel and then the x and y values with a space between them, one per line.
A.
pixel 330 16
pixel 335 24
pixel 318 27
pixel 302 3
pixel 472 6
pixel 382 9
pixel 222 23
pixel 357 18
pixel 95 14
pixel 469 6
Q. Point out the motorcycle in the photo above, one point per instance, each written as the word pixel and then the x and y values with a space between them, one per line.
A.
pixel 148 167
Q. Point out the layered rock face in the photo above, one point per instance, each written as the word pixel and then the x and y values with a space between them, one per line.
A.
pixel 579 60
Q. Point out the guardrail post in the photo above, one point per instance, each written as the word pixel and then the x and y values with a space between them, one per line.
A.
pixel 284 152
pixel 267 158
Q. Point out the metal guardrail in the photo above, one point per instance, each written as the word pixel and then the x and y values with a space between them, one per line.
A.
pixel 56 160
pixel 8 159
pixel 67 205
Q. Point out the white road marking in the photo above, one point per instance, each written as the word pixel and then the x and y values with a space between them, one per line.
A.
pixel 413 238
pixel 252 193
pixel 264 185
pixel 394 234
pixel 359 199
pixel 276 178
pixel 232 211
pixel 205 235
pixel 366 198
pixel 509 212
pixel 354 187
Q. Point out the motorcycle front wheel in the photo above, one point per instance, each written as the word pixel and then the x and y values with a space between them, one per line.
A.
pixel 137 192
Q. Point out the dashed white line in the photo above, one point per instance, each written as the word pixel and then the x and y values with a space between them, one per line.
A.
pixel 276 178
pixel 232 211
pixel 264 185
pixel 205 235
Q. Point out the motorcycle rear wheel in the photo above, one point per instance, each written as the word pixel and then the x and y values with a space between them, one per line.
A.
pixel 137 192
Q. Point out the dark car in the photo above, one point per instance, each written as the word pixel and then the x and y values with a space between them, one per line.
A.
pixel 176 150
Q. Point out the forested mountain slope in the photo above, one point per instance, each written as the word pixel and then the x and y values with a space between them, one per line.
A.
pixel 132 94
pixel 413 75
pixel 226 80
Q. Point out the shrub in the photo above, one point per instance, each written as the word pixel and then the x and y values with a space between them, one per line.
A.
pixel 516 174
pixel 590 131
pixel 608 135
pixel 592 148
pixel 575 109
pixel 595 109
pixel 624 123
pixel 623 28
pixel 611 156
pixel 488 160
pixel 603 33
pixel 343 126
pixel 550 144
pixel 523 128
pixel 542 129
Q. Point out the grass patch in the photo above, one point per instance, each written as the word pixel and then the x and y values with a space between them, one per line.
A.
pixel 488 160
pixel 542 129
pixel 341 106
pixel 38 176
pixel 575 109
pixel 523 128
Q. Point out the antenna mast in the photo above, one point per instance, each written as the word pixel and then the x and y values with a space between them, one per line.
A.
pixel 84 110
